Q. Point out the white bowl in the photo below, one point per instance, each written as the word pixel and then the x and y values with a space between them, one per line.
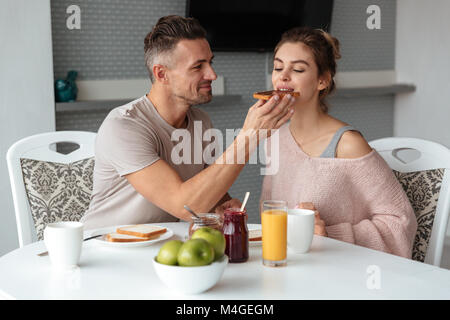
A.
pixel 191 280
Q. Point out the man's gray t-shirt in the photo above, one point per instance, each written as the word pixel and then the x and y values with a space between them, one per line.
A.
pixel 131 138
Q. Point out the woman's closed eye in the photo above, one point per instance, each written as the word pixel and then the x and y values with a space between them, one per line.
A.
pixel 295 70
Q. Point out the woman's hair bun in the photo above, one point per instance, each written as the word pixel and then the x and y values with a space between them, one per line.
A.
pixel 334 43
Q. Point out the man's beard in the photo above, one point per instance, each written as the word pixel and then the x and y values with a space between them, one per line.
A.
pixel 201 99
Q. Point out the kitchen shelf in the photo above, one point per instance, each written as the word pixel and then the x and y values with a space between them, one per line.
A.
pixel 222 100
pixel 106 105
pixel 374 91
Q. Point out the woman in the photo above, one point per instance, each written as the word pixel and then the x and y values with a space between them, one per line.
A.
pixel 325 164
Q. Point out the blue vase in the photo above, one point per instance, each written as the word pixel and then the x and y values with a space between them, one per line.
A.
pixel 66 90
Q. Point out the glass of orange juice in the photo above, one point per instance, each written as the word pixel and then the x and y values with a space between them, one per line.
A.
pixel 274 232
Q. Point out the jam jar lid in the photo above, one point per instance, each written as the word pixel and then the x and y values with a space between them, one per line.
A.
pixel 234 214
pixel 234 211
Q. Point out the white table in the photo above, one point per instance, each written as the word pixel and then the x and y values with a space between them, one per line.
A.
pixel 331 270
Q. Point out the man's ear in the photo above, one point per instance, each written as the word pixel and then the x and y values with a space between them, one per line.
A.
pixel 160 73
pixel 324 81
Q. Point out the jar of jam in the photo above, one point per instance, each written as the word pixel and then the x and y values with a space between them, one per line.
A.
pixel 236 234
pixel 211 220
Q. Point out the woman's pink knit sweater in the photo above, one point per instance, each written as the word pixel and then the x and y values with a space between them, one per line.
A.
pixel 359 199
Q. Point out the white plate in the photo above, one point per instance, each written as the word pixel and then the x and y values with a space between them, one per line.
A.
pixel 254 227
pixel 102 240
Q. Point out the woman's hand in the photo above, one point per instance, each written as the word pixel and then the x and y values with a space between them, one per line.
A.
pixel 319 224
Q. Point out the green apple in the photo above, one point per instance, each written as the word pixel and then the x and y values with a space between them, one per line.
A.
pixel 195 252
pixel 214 237
pixel 168 254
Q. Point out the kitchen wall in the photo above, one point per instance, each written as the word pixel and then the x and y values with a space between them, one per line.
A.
pixel 26 91
pixel 422 57
pixel 109 45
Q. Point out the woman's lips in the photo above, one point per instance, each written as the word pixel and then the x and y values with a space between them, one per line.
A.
pixel 285 89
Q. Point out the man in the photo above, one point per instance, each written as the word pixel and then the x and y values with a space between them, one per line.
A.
pixel 135 178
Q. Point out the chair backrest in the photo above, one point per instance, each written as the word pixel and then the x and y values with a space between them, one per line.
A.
pixel 41 147
pixel 432 156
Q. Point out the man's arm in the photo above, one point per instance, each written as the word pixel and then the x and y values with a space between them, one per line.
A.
pixel 160 184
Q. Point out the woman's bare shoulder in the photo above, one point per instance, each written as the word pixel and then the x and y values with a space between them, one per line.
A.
pixel 352 145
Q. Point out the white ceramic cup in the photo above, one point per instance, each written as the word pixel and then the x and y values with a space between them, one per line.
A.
pixel 300 230
pixel 64 241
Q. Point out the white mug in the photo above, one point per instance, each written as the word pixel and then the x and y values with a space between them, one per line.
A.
pixel 300 229
pixel 64 241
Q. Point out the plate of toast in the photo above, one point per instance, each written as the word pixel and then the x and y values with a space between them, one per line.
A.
pixel 254 234
pixel 138 235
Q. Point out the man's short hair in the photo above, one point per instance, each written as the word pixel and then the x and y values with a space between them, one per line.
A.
pixel 165 35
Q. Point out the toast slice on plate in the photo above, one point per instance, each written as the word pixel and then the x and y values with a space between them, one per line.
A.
pixel 118 237
pixel 141 230
pixel 254 235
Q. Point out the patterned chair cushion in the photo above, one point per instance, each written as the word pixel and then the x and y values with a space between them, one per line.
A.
pixel 56 191
pixel 422 189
